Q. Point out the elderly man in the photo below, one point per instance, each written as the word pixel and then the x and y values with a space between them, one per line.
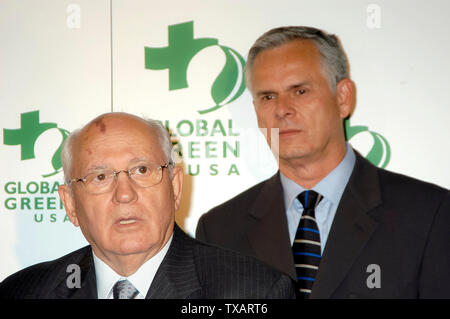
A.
pixel 339 226
pixel 122 189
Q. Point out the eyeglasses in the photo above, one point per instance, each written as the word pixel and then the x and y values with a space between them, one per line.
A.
pixel 102 181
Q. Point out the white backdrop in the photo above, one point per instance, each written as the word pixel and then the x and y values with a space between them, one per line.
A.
pixel 64 62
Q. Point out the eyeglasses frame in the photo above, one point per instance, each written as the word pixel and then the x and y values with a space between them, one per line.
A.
pixel 116 174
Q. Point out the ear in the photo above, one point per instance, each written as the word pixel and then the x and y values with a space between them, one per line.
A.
pixel 67 197
pixel 177 185
pixel 345 95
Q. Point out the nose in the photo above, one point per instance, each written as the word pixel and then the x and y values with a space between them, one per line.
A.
pixel 124 191
pixel 284 106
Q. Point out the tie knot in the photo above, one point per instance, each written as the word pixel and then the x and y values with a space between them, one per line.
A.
pixel 123 289
pixel 309 199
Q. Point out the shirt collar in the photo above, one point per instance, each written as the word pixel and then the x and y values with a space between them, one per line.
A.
pixel 106 277
pixel 331 187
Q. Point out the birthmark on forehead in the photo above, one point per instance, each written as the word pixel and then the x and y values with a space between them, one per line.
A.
pixel 99 124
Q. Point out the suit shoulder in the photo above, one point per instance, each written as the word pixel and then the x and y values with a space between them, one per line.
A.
pixel 417 203
pixel 241 202
pixel 30 281
pixel 409 185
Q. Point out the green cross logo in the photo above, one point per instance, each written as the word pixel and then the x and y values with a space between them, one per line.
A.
pixel 228 85
pixel 380 153
pixel 27 135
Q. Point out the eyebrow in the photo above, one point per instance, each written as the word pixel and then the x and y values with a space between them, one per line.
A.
pixel 94 169
pixel 265 93
pixel 290 87
pixel 100 167
pixel 298 85
pixel 138 160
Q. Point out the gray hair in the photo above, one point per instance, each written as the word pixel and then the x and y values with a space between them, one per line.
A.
pixel 334 60
pixel 163 138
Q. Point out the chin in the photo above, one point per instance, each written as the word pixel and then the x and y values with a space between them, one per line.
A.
pixel 291 154
pixel 130 247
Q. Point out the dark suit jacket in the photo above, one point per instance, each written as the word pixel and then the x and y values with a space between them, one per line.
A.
pixel 190 269
pixel 390 220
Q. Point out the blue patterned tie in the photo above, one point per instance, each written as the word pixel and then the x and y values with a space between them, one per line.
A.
pixel 123 289
pixel 306 247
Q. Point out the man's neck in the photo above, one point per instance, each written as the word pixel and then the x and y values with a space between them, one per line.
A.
pixel 127 265
pixel 310 170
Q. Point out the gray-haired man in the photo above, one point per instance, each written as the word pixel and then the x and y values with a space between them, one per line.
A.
pixel 335 223
pixel 122 189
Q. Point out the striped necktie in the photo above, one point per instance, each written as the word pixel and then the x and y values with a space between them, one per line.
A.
pixel 123 289
pixel 306 247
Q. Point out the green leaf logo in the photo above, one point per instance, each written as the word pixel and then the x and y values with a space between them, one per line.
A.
pixel 56 159
pixel 27 135
pixel 229 84
pixel 380 153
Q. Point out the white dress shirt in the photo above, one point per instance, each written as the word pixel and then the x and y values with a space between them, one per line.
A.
pixel 142 279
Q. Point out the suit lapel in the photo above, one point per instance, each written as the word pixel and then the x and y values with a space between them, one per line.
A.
pixel 176 277
pixel 88 287
pixel 269 235
pixel 351 229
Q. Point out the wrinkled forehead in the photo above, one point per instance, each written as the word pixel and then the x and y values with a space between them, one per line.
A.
pixel 112 122
pixel 111 135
